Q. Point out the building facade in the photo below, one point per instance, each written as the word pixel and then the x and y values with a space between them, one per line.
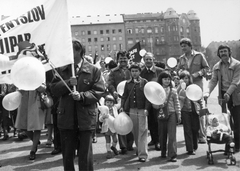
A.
pixel 158 33
pixel 101 35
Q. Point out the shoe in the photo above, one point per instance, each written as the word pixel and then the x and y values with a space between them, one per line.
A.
pixel 123 151
pixel 130 149
pixel 56 151
pixel 151 143
pixel 109 155
pixel 157 147
pixel 94 140
pixel 163 156
pixel 141 159
pixel 5 137
pixel 114 150
pixel 32 155
pixel 173 159
pixel 202 141
pixel 49 143
pixel 191 153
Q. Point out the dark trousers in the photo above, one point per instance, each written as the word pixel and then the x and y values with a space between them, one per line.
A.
pixel 191 126
pixel 56 133
pixel 126 141
pixel 234 119
pixel 153 125
pixel 226 138
pixel 69 141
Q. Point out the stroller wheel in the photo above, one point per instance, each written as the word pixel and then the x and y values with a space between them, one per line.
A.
pixel 233 161
pixel 210 160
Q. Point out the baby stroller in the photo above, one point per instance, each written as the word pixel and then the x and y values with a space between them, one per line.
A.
pixel 222 134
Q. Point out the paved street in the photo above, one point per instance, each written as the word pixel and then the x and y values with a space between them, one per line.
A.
pixel 14 157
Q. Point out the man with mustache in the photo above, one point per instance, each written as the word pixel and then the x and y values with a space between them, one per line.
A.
pixel 226 73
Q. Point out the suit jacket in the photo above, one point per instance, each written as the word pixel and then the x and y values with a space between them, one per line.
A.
pixel 79 114
pixel 152 75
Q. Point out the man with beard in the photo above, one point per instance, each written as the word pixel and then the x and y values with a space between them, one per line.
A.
pixel 117 75
pixel 226 73
pixel 151 73
pixel 196 64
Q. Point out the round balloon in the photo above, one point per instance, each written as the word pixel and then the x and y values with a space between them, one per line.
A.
pixel 171 62
pixel 142 52
pixel 28 73
pixel 155 93
pixel 183 85
pixel 194 92
pixel 120 87
pixel 110 121
pixel 108 59
pixel 123 124
pixel 12 101
pixel 142 61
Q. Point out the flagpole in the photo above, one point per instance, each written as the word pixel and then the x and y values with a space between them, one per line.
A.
pixel 73 75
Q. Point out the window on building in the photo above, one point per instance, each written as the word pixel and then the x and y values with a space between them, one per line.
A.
pixel 101 39
pixel 120 38
pixel 83 40
pixel 119 30
pixel 83 32
pixel 89 40
pixel 120 46
pixel 114 47
pixel 130 41
pixel 108 39
pixel 108 47
pixel 149 30
pixel 162 39
pixel 102 47
pixel 95 39
pixel 176 28
pixel 113 31
pixel 89 48
pixel 173 28
pixel 76 33
pixel 89 32
pixel 142 30
pixel 143 41
pixel 137 40
pixel 94 32
pixel 169 28
pixel 114 38
pixel 156 29
pixel 107 31
pixel 157 40
pixel 162 29
pixel 187 30
pixel 136 30
pixel 96 47
pixel 181 29
pixel 129 31
pixel 101 31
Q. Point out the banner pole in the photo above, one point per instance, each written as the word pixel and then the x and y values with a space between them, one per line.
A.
pixel 73 75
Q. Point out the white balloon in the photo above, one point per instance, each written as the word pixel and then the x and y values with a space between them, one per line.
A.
pixel 104 110
pixel 97 64
pixel 183 85
pixel 28 73
pixel 108 59
pixel 110 121
pixel 142 61
pixel 142 52
pixel 194 92
pixel 171 62
pixel 123 124
pixel 12 100
pixel 120 87
pixel 155 93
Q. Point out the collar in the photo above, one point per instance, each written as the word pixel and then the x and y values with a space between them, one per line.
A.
pixel 232 63
pixel 153 68
pixel 193 53
pixel 84 66
pixel 229 61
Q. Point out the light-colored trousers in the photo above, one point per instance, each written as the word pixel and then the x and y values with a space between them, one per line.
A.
pixel 140 131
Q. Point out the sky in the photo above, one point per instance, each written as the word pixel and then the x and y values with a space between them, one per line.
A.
pixel 219 19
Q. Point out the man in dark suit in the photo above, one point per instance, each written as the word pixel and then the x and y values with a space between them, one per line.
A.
pixel 77 110
pixel 151 73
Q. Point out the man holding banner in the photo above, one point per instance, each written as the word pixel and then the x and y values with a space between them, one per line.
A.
pixel 77 110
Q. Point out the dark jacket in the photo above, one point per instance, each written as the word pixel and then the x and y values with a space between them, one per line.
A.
pixel 152 75
pixel 115 77
pixel 82 113
pixel 137 98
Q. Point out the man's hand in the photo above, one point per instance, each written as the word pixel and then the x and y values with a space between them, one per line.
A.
pixel 205 96
pixel 115 95
pixel 73 81
pixel 76 95
pixel 226 97
pixel 195 75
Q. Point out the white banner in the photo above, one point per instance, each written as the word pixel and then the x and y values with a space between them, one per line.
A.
pixel 46 25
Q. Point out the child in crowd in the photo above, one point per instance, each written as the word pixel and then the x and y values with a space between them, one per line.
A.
pixel 190 117
pixel 219 132
pixel 107 130
pixel 169 116
pixel 138 110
